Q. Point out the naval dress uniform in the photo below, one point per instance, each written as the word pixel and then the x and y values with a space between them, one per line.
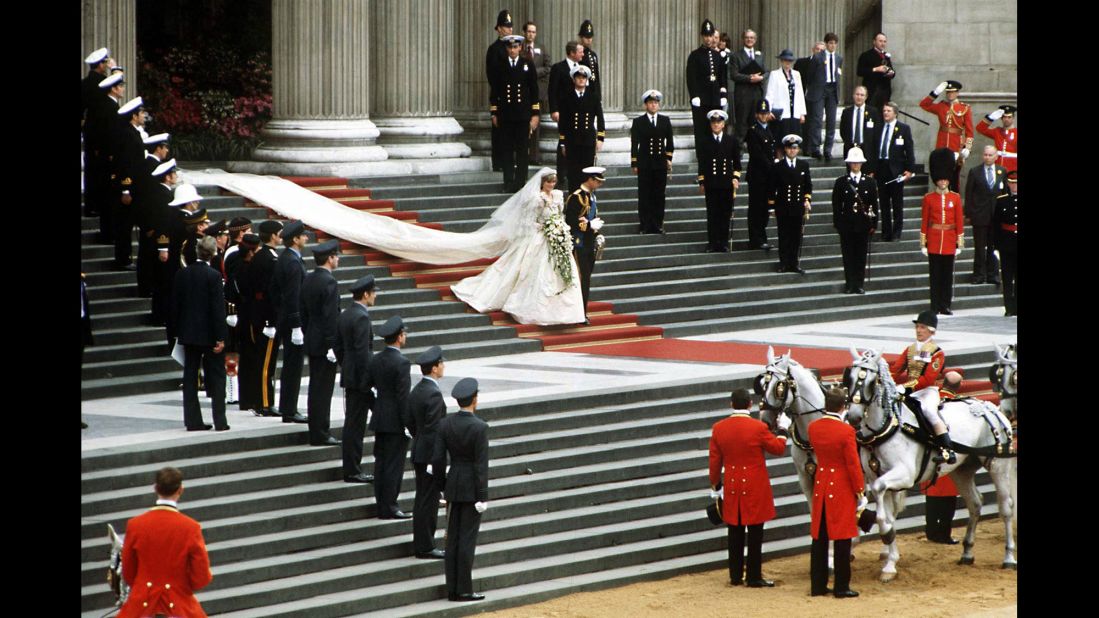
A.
pixel 581 203
pixel 285 291
pixel 718 167
pixel 941 232
pixel 581 125
pixel 495 58
pixel 855 216
pixel 737 444
pixel 651 149
pixel 164 561
pixel 513 103
pixel 837 486
pixel 790 187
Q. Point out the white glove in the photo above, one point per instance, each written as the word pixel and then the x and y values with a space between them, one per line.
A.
pixel 480 506
pixel 995 115
pixel 600 241
pixel 429 468
pixel 923 250
pixel 695 102
pixel 269 332
pixel 297 337
pixel 724 102
pixel 331 356
pixel 939 89
pixel 231 320
pixel 596 224
pixel 863 501
pixel 783 422
pixel 715 494
pixel 958 251
pixel 407 434
pixel 965 153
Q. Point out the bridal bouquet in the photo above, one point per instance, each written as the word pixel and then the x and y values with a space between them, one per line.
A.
pixel 559 241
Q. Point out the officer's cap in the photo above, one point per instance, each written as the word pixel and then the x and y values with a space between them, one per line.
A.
pixel 154 140
pixel 1009 110
pixel 764 107
pixel 940 164
pixel 237 224
pixel 364 284
pixel 855 155
pixel 107 82
pixel 928 319
pixel 503 19
pixel 185 194
pixel 595 172
pixel 165 167
pixel 118 68
pixel 786 54
pixel 1013 176
pixel 655 95
pixel 130 106
pixel 97 56
pixel 717 114
pixel 270 227
pixel 430 356
pixel 953 86
pixel 464 389
pixel 195 217
pixel 391 327
pixel 513 39
pixel 791 139
pixel 586 30
pixel 250 241
pixel 217 229
pixel 324 250
pixel 707 28
pixel 292 229
pixel 580 68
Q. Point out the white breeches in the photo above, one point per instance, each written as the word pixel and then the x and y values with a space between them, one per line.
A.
pixel 929 402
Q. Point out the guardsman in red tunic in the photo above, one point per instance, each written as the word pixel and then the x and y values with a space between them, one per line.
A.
pixel 164 557
pixel 737 445
pixel 955 123
pixel 916 372
pixel 941 231
pixel 837 496
pixel 942 495
pixel 1006 138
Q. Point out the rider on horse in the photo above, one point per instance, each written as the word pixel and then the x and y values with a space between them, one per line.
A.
pixel 916 372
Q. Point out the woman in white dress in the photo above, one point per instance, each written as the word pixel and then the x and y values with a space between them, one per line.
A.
pixel 535 280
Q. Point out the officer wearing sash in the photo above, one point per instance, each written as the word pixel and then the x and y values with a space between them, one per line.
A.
pixel 854 215
pixel 584 223
pixel 916 372
pixel 955 123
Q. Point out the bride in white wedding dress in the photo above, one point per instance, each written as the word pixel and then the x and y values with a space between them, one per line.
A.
pixel 535 280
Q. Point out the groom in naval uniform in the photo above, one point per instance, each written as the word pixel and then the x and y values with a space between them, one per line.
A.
pixel 582 216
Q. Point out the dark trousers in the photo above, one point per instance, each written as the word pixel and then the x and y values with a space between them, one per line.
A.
pixel 939 517
pixel 533 153
pixel 814 111
pixel 576 159
pixel 258 356
pixel 562 165
pixel 701 125
pixel 719 217
pixel 831 102
pixel 322 381
pixel 651 186
pixel 985 264
pixel 789 240
pixel 1009 278
pixel 757 209
pixel 425 511
pixel 941 269
pixel 891 205
pixel 745 102
pixel 94 179
pixel 389 452
pixel 146 262
pixel 585 262
pixel 293 358
pixel 818 560
pixel 514 140
pixel 356 404
pixel 496 148
pixel 463 523
pixel 791 125
pixel 102 196
pixel 878 96
pixel 853 245
pixel 122 220
pixel 213 369
pixel 736 553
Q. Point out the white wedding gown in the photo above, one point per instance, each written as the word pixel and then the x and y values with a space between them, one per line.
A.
pixel 523 282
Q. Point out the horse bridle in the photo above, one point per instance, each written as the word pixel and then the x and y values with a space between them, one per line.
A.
pixel 892 421
pixel 786 389
pixel 996 376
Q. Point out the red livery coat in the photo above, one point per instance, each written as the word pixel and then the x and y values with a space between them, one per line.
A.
pixel 1006 141
pixel 942 209
pixel 955 123
pixel 944 487
pixel 908 370
pixel 839 478
pixel 164 560
pixel 737 444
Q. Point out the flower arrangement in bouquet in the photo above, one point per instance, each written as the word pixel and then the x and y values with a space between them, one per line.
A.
pixel 559 241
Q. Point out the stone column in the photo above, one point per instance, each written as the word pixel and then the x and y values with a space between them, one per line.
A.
pixel 111 24
pixel 320 54
pixel 413 77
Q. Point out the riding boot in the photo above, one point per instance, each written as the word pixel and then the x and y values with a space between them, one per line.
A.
pixel 946 448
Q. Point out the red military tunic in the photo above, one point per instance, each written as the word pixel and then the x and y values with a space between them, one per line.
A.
pixel 839 478
pixel 943 222
pixel 1005 140
pixel 909 370
pixel 737 444
pixel 164 560
pixel 955 123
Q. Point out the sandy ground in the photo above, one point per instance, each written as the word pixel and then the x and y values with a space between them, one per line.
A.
pixel 929 584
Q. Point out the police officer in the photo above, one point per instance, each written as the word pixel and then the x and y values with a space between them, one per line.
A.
pixel 591 59
pixel 286 296
pixel 854 215
pixel 762 152
pixel 389 375
pixel 581 129
pixel 942 230
pixel 320 312
pixel 354 347
pixel 494 64
pixel 427 409
pixel 651 150
pixel 1005 229
pixel 707 82
pixel 515 112
pixel 462 438
pixel 718 180
pixel 955 124
pixel 790 193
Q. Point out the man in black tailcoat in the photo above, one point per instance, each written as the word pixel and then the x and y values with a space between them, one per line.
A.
pixel 320 312
pixel 389 374
pixel 427 408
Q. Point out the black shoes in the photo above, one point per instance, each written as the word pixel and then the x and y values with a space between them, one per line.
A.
pixel 848 290
pixel 202 427
pixel 398 514
pixel 943 541
pixel 436 554
pixel 266 412
pixel 860 291
pixel 799 270
pixel 124 267
pixel 760 583
pixel 976 280
pixel 782 268
pixel 736 582
pixel 766 246
pixel 471 596
pixel 297 418
pixel 820 593
pixel 225 428
pixel 845 594
pixel 359 478
pixel 329 441
pixel 945 312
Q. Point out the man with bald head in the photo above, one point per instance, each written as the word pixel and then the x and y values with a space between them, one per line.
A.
pixel 985 183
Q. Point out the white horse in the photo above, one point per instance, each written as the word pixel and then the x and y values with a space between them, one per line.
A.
pixel 1004 376
pixel 896 459
pixel 118 585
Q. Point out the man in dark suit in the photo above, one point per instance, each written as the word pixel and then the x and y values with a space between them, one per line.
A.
pixel 833 68
pixel 463 439
pixel 651 150
pixel 790 193
pixel 285 294
pixel 747 70
pixel 427 408
pixel 854 215
pixel 707 82
pixel 581 130
pixel 762 151
pixel 354 347
pixel 542 65
pixel 892 156
pixel 582 216
pixel 260 348
pixel 983 186
pixel 494 62
pixel 561 86
pixel 320 311
pixel 858 122
pixel 718 180
pixel 875 67
pixel 515 112
pixel 199 315
pixel 389 374
pixel 811 69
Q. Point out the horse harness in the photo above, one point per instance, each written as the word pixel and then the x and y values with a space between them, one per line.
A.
pixel 787 388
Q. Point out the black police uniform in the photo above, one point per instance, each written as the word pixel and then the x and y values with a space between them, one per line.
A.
pixel 320 312
pixel 354 349
pixel 708 81
pixel 427 409
pixel 389 373
pixel 854 214
pixel 761 158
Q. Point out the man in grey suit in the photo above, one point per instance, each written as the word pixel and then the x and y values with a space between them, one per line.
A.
pixel 389 374
pixel 747 70
pixel 427 408
pixel 354 347
pixel 320 312
pixel 463 438
pixel 983 186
